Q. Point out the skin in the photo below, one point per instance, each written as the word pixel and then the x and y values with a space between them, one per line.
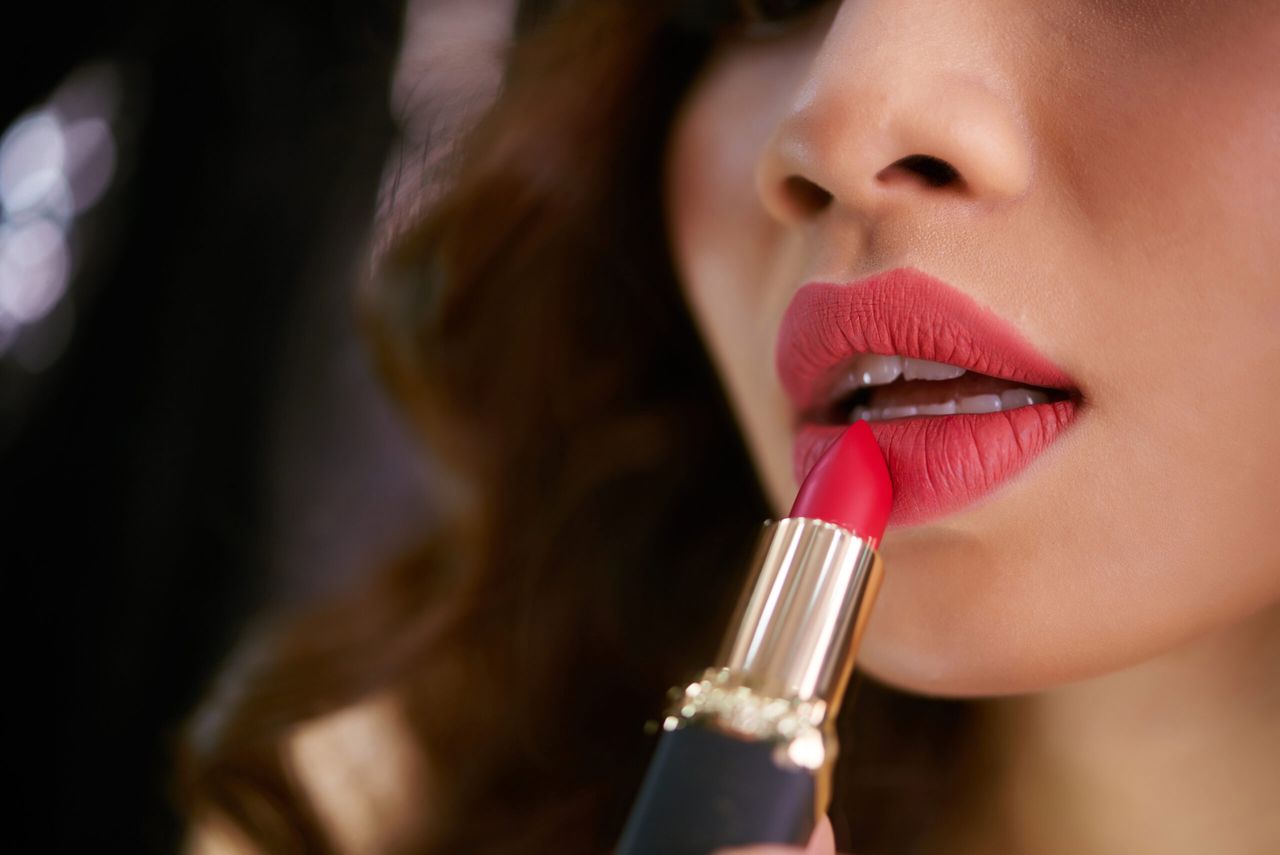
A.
pixel 1118 201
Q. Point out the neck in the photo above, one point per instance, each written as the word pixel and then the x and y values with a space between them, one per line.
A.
pixel 1178 755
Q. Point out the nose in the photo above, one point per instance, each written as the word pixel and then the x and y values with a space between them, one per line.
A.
pixel 903 103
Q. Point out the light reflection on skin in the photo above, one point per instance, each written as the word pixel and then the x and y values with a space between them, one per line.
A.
pixel 1122 166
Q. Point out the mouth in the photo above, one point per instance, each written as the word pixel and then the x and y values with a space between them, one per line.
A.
pixel 877 388
pixel 957 399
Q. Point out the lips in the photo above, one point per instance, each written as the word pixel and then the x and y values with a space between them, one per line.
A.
pixel 1010 405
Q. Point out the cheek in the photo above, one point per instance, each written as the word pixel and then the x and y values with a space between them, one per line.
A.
pixel 735 264
pixel 719 242
pixel 1177 166
pixel 724 243
pixel 1155 525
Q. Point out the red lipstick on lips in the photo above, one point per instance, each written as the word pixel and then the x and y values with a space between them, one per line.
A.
pixel 748 748
pixel 939 463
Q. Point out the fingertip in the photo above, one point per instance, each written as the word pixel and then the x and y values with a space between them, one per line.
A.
pixel 823 841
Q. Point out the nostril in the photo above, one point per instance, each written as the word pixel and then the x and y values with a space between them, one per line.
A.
pixel 807 197
pixel 933 171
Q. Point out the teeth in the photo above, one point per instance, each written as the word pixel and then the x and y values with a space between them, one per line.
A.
pixel 869 369
pixel 924 369
pixel 947 409
pixel 975 404
pixel 873 370
pixel 1010 399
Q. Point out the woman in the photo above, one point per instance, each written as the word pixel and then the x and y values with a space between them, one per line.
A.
pixel 1074 647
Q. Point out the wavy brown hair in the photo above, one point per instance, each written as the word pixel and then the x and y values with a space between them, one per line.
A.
pixel 600 508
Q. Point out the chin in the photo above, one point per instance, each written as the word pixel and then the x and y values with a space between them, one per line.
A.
pixel 975 657
pixel 947 675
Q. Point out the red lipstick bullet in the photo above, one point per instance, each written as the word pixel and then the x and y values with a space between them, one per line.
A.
pixel 849 486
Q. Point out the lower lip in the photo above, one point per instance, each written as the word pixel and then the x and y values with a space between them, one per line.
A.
pixel 940 464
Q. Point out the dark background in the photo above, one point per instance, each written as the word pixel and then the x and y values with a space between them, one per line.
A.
pixel 141 472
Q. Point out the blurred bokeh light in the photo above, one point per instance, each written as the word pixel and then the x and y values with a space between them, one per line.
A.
pixel 190 429
pixel 56 162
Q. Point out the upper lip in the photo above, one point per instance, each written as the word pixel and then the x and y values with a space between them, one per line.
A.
pixel 900 312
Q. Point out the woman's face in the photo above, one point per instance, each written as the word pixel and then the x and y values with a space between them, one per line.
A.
pixel 1097 183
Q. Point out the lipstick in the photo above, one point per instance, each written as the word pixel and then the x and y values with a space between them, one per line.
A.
pixel 747 748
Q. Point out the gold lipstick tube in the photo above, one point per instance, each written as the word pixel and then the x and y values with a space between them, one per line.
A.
pixel 748 748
